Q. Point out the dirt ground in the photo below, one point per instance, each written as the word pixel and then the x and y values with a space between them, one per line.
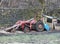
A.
pixel 45 37
pixel 2 32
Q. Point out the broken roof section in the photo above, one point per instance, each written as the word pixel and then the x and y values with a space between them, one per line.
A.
pixel 51 17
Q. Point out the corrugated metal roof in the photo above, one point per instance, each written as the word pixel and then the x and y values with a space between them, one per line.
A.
pixel 51 17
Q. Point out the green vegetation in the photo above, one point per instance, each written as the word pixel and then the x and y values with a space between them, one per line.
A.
pixel 24 38
pixel 11 16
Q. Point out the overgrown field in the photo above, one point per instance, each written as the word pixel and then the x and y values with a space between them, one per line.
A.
pixel 53 38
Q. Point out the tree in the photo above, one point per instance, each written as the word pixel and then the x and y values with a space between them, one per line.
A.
pixel 43 5
pixel 43 8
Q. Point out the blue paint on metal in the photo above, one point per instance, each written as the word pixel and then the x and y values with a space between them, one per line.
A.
pixel 46 26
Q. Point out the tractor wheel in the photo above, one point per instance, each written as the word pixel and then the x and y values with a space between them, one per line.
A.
pixel 39 26
pixel 26 29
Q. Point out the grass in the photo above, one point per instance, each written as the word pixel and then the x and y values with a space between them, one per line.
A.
pixel 40 39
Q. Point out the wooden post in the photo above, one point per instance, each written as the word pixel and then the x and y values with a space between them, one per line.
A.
pixel 54 22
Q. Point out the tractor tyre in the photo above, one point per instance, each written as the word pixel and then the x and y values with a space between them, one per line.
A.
pixel 39 26
pixel 26 29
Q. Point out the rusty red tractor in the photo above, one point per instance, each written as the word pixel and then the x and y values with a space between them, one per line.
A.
pixel 27 26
